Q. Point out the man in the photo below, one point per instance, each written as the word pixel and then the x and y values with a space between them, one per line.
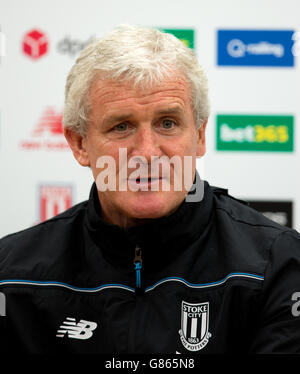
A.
pixel 148 264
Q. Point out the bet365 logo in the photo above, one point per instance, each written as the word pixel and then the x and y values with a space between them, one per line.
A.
pixel 255 133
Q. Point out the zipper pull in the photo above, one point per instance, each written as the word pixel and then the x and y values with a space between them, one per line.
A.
pixel 138 266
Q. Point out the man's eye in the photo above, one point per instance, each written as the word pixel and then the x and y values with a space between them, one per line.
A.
pixel 121 127
pixel 168 124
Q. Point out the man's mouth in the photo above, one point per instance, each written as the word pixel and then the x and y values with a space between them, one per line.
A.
pixel 145 181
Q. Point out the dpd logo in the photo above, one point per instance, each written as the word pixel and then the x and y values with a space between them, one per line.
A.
pixel 35 44
pixel 71 46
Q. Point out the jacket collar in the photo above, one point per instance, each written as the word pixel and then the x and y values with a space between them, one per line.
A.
pixel 161 240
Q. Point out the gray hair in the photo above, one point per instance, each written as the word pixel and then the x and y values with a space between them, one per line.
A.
pixel 145 56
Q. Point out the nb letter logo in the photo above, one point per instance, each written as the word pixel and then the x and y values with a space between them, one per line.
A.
pixel 81 330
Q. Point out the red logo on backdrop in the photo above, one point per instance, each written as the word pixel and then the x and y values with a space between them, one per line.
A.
pixel 50 122
pixel 54 200
pixel 35 44
pixel 47 133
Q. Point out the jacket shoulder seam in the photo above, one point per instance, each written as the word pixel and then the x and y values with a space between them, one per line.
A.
pixel 40 224
pixel 282 230
pixel 271 245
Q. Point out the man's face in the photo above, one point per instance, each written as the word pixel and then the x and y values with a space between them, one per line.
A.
pixel 157 121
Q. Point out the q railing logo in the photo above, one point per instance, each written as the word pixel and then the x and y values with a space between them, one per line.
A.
pixel 35 44
pixel 256 48
pixel 54 200
pixel 187 36
pixel 47 133
pixel 266 133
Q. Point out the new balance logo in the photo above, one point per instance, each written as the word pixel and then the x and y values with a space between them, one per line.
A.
pixel 81 330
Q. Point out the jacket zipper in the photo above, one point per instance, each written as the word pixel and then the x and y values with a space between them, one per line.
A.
pixel 137 261
pixel 138 267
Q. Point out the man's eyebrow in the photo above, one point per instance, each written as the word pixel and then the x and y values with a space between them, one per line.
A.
pixel 116 118
pixel 171 110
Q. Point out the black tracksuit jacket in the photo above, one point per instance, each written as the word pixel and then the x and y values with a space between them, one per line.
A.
pixel 213 277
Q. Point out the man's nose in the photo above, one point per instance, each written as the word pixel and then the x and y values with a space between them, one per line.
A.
pixel 146 143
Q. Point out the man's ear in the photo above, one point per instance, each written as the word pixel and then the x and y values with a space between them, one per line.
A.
pixel 201 143
pixel 78 145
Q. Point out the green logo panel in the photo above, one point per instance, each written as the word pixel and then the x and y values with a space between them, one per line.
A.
pixel 266 133
pixel 187 36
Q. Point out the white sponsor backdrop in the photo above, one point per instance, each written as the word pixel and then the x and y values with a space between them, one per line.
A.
pixel 32 96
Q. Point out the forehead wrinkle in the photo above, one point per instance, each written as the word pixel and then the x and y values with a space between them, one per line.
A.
pixel 106 91
pixel 109 97
pixel 127 112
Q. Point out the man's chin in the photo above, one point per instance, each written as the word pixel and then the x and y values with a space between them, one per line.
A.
pixel 129 209
pixel 148 209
